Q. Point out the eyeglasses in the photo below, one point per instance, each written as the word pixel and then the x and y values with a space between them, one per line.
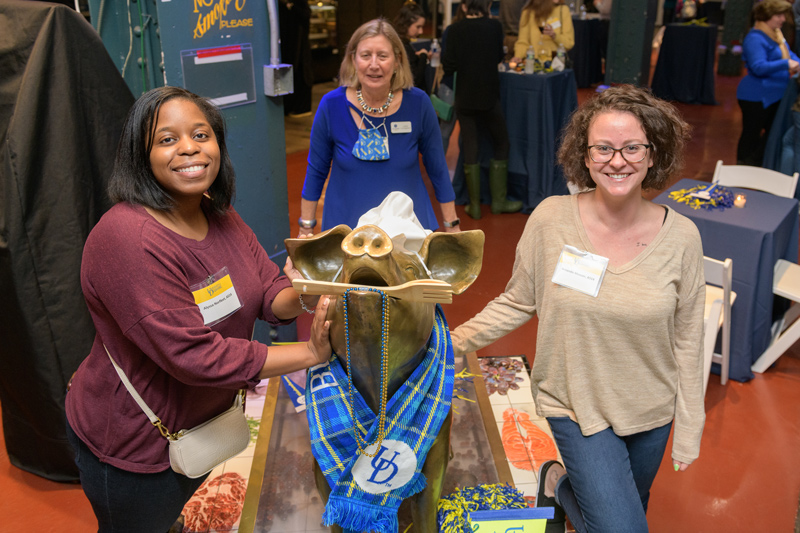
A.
pixel 633 153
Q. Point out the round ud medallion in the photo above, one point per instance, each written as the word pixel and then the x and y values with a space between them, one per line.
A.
pixel 391 468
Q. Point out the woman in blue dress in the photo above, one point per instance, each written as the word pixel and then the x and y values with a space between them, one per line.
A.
pixel 770 65
pixel 368 135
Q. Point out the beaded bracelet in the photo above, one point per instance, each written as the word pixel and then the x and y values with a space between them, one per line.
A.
pixel 303 305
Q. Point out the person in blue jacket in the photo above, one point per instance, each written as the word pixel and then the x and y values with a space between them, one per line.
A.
pixel 368 134
pixel 770 65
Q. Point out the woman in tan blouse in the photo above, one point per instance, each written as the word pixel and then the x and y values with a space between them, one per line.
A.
pixel 617 283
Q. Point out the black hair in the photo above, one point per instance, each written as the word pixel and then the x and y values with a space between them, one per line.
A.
pixel 132 179
pixel 477 7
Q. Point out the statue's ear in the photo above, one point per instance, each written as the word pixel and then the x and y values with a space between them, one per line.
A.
pixel 319 257
pixel 454 257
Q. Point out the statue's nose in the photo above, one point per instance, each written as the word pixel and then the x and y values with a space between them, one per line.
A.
pixel 370 240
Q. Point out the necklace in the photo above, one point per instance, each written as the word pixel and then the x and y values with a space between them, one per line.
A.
pixel 376 110
pixel 362 444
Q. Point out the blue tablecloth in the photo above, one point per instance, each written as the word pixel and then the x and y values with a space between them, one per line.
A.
pixel 591 41
pixel 754 237
pixel 685 67
pixel 536 106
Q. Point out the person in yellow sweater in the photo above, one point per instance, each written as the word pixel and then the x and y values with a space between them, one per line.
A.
pixel 544 24
pixel 618 286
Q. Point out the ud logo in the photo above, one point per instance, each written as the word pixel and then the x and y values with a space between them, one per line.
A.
pixel 320 380
pixel 391 468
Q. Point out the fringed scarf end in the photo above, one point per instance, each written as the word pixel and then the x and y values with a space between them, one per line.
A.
pixel 357 516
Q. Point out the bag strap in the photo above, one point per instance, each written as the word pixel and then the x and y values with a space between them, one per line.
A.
pixel 125 381
pixel 149 412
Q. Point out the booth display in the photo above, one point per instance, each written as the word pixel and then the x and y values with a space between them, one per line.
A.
pixel 283 497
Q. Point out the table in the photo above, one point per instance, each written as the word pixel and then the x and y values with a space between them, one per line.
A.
pixel 536 107
pixel 685 68
pixel 285 453
pixel 591 41
pixel 754 237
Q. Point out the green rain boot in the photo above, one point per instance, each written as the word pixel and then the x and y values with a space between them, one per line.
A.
pixel 472 175
pixel 498 185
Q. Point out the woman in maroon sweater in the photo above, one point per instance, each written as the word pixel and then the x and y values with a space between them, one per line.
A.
pixel 171 235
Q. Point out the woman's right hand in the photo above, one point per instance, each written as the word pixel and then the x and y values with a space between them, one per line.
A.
pixel 319 343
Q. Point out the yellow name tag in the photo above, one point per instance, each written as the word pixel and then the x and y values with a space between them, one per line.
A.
pixel 216 297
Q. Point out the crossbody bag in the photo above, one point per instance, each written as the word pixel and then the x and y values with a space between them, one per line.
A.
pixel 197 451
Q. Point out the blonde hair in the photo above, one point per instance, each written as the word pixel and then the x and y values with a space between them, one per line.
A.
pixel 402 78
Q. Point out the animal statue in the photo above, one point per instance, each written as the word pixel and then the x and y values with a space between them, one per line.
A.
pixel 367 256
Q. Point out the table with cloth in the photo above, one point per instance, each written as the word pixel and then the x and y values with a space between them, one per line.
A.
pixel 685 67
pixel 536 107
pixel 591 41
pixel 754 237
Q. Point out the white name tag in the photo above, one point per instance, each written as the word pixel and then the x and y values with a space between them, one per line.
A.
pixel 216 297
pixel 556 24
pixel 401 127
pixel 580 271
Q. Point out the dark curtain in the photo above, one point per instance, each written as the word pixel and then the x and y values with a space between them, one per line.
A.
pixel 62 104
pixel 295 22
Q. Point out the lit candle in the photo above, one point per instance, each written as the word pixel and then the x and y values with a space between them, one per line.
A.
pixel 740 200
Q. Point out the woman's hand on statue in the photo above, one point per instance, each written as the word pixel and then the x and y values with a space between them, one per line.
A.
pixel 319 342
pixel 305 233
pixel 454 229
pixel 291 272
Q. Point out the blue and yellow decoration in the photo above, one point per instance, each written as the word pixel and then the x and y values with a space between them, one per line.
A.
pixel 713 197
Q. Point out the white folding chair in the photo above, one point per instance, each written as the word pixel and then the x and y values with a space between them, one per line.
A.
pixel 786 330
pixel 760 179
pixel 719 298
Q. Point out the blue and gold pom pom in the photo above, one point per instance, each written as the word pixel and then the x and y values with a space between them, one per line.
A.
pixel 453 514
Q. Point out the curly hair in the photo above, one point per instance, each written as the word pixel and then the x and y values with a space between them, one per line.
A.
pixel 666 132
pixel 766 9
pixel 132 179
pixel 402 78
pixel 406 17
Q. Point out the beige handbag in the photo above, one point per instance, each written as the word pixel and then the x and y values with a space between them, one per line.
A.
pixel 197 451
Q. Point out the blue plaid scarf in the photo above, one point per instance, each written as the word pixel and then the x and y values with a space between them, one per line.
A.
pixel 367 491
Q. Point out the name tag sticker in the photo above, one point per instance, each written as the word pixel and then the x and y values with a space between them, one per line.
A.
pixel 555 24
pixel 580 271
pixel 216 297
pixel 401 127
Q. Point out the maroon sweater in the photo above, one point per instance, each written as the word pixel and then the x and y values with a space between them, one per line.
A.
pixel 136 276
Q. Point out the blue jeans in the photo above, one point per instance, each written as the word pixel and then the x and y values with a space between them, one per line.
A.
pixel 608 479
pixel 126 501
